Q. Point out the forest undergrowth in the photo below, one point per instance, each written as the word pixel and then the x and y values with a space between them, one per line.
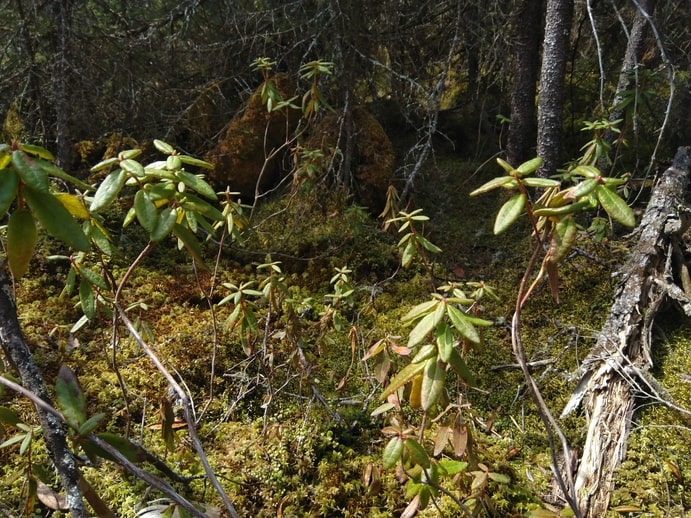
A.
pixel 284 404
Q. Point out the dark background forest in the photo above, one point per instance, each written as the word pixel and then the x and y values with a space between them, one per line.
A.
pixel 453 84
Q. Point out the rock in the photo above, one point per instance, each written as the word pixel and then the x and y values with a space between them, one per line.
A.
pixel 241 158
pixel 374 158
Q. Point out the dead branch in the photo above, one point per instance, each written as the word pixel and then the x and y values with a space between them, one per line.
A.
pixel 623 349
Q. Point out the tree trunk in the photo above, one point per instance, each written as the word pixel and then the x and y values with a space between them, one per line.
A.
pixel 616 370
pixel 551 98
pixel 527 30
pixel 17 351
pixel 60 15
pixel 632 57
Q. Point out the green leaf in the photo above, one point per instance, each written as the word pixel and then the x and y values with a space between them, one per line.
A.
pixel 164 224
pixel 406 374
pixel 494 183
pixel 462 323
pixel 145 210
pixel 21 241
pixel 30 173
pixel 452 467
pixel 133 167
pixel 87 299
pixel 392 452
pixel 509 213
pixel 425 326
pixel 540 183
pixel 93 277
pixel 26 443
pixel 189 160
pixel 37 151
pixel 499 477
pixel 9 182
pixel 427 245
pixel 505 165
pixel 14 440
pixel 191 244
pixel 70 398
pixel 91 424
pixel 108 190
pixel 417 453
pixel 456 361
pixel 56 219
pixel 529 167
pixel 163 147
pixel 408 254
pixel 197 184
pixel 190 202
pixel 584 204
pixel 9 416
pixel 100 237
pixel 588 171
pixel 563 238
pixel 420 310
pixel 104 164
pixel 129 154
pixel 616 207
pixel 131 451
pixel 582 189
pixel 425 353
pixel 433 380
pixel 53 170
pixel 445 341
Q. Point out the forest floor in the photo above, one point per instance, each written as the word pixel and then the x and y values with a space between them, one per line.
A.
pixel 286 425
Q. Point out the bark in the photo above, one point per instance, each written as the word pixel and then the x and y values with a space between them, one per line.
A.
pixel 527 32
pixel 551 97
pixel 616 370
pixel 17 351
pixel 632 57
pixel 60 12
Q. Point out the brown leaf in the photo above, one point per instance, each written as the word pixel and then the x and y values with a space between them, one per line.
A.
pixel 441 440
pixel 411 510
pixel 50 498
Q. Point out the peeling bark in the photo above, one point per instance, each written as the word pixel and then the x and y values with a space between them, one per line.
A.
pixel 17 351
pixel 616 370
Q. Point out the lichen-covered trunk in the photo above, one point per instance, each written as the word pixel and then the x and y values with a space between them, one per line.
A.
pixel 17 351
pixel 615 372
pixel 550 104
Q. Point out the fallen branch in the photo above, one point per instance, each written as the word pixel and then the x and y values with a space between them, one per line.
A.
pixel 607 388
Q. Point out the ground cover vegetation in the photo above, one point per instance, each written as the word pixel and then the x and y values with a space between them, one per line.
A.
pixel 332 258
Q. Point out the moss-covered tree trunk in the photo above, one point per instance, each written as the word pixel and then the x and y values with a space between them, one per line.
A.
pixel 616 370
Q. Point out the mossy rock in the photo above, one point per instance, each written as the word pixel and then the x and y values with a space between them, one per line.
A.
pixel 374 158
pixel 241 158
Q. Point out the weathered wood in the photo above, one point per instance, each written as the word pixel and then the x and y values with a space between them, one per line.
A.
pixel 616 370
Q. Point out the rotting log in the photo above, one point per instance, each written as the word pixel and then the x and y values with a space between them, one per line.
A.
pixel 615 372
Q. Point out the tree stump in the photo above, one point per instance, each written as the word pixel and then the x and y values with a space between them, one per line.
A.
pixel 615 372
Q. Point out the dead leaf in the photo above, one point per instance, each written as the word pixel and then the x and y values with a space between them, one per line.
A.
pixel 50 498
